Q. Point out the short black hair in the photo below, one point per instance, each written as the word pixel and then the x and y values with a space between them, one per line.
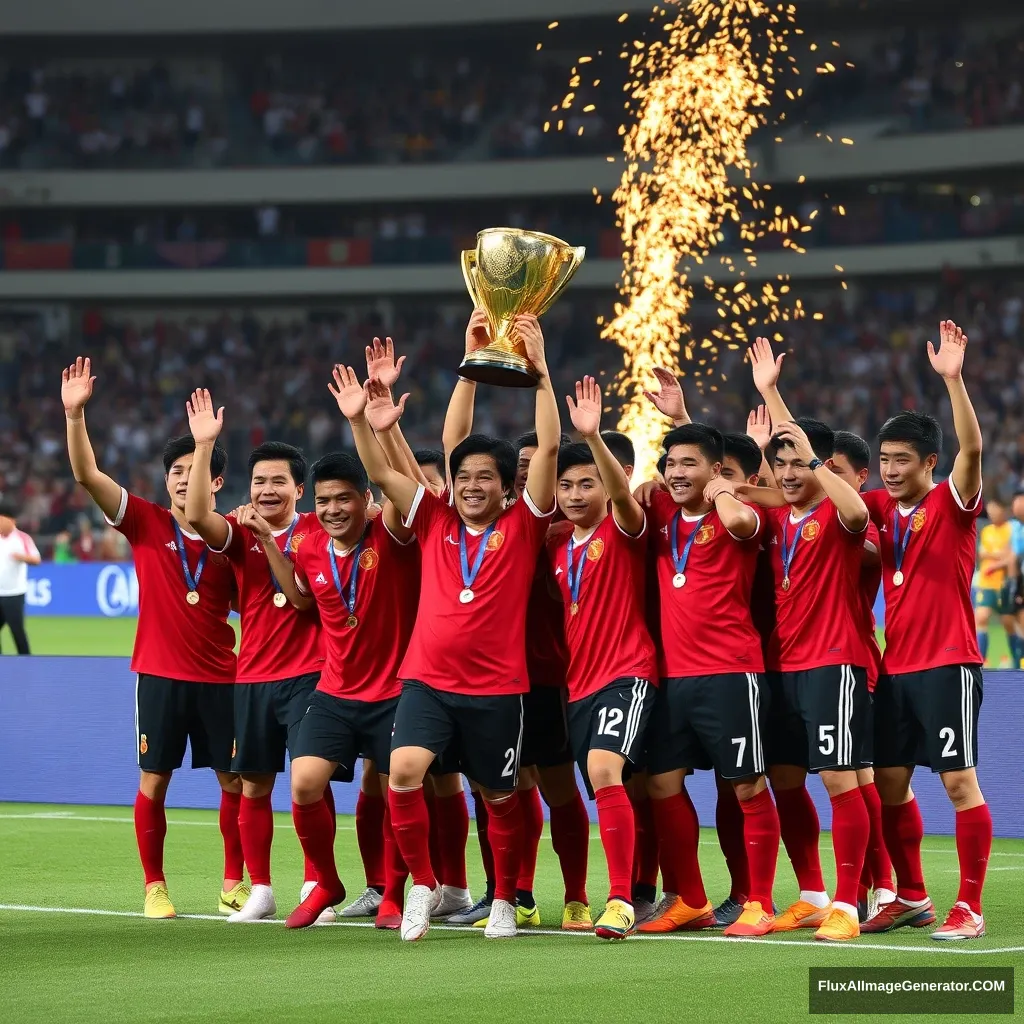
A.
pixel 529 440
pixel 279 451
pixel 339 466
pixel 706 438
pixel 7 510
pixel 570 455
pixel 186 445
pixel 620 446
pixel 744 449
pixel 662 463
pixel 430 457
pixel 504 454
pixel 821 436
pixel 916 429
pixel 854 447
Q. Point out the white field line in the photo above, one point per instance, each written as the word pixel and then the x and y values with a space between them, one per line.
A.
pixel 944 948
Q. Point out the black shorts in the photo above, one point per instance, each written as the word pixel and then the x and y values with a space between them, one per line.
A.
pixel 267 720
pixel 170 713
pixel 710 722
pixel 929 718
pixel 484 734
pixel 820 718
pixel 545 728
pixel 339 730
pixel 1018 595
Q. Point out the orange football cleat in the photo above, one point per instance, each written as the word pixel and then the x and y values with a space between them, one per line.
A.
pixel 960 924
pixel 753 921
pixel 839 926
pixel 801 915
pixel 679 917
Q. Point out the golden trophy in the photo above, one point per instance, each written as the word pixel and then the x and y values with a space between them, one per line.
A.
pixel 512 271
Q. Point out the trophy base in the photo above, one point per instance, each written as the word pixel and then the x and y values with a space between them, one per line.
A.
pixel 500 369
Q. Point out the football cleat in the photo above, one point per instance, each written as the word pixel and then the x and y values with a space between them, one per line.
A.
pixel 839 926
pixel 419 905
pixel 501 923
pixel 527 918
pixel 329 915
pixel 365 906
pixel 960 924
pixel 677 916
pixel 616 922
pixel 753 920
pixel 389 917
pixel 897 914
pixel 576 917
pixel 259 906
pixel 158 905
pixel 645 910
pixel 476 913
pixel 234 899
pixel 801 915
pixel 728 912
pixel 453 901
pixel 313 906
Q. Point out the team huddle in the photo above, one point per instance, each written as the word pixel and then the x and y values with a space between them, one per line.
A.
pixel 513 611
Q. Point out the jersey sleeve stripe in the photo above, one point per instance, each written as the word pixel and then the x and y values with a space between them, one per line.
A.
pixel 757 528
pixel 227 543
pixel 401 543
pixel 417 498
pixel 632 536
pixel 532 506
pixel 960 501
pixel 121 509
pixel 299 584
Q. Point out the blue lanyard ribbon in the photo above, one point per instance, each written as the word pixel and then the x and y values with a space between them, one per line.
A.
pixel 287 545
pixel 350 599
pixel 469 575
pixel 679 561
pixel 787 551
pixel 575 578
pixel 899 544
pixel 192 582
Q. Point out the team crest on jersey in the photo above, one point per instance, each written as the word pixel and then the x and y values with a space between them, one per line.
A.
pixel 810 530
pixel 917 520
pixel 368 559
pixel 705 534
pixel 143 744
pixel 595 549
pixel 293 544
pixel 495 540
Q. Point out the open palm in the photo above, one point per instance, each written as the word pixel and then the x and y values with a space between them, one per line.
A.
pixel 204 423
pixel 948 361
pixel 585 412
pixel 764 365
pixel 347 391
pixel 381 364
pixel 381 411
pixel 668 399
pixel 76 385
pixel 759 426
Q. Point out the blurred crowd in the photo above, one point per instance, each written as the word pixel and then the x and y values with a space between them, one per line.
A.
pixel 320 101
pixel 863 361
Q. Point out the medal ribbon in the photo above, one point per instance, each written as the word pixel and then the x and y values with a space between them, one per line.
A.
pixel 350 600
pixel 287 545
pixel 679 561
pixel 789 552
pixel 899 544
pixel 192 582
pixel 469 575
pixel 575 577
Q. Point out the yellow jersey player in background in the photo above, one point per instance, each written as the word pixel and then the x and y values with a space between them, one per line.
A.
pixel 996 580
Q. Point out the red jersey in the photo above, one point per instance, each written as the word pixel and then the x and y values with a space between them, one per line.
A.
pixel 706 625
pixel 174 639
pixel 929 620
pixel 362 661
pixel 547 657
pixel 817 620
pixel 762 593
pixel 870 581
pixel 607 636
pixel 476 647
pixel 277 643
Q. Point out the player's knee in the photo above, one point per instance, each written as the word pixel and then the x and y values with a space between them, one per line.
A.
pixel 308 782
pixel 893 785
pixel 787 776
pixel 664 786
pixel 865 776
pixel 230 782
pixel 407 769
pixel 370 782
pixel 255 787
pixel 604 769
pixel 962 788
pixel 528 778
pixel 837 783
pixel 447 785
pixel 747 789
pixel 558 784
pixel 153 785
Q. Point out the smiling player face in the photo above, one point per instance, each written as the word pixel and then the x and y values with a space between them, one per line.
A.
pixel 687 473
pixel 273 492
pixel 478 491
pixel 341 509
pixel 582 496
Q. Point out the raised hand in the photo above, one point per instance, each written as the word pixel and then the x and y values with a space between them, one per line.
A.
pixel 248 516
pixel 381 412
pixel 764 365
pixel 76 386
pixel 478 331
pixel 668 399
pixel 791 433
pixel 717 486
pixel 204 423
pixel 381 364
pixel 759 426
pixel 585 412
pixel 532 337
pixel 948 361
pixel 348 392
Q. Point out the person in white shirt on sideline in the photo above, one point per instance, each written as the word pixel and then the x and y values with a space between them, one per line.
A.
pixel 17 552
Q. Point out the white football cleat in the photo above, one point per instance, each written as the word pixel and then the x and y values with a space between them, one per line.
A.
pixel 365 906
pixel 419 905
pixel 502 922
pixel 260 906
pixel 328 916
pixel 453 901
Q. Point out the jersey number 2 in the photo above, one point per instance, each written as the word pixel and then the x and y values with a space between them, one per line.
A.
pixel 949 735
pixel 510 763
pixel 608 721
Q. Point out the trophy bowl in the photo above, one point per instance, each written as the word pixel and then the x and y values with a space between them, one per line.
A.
pixel 512 271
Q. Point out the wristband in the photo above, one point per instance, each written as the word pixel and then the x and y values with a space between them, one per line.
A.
pixel 815 464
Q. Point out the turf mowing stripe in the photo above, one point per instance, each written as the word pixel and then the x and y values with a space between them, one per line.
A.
pixel 526 932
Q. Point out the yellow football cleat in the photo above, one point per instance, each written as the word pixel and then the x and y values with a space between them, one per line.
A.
pixel 576 918
pixel 839 926
pixel 753 921
pixel 158 903
pixel 234 899
pixel 527 918
pixel 616 922
pixel 801 915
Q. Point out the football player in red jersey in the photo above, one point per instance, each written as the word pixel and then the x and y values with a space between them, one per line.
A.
pixel 184 646
pixel 930 688
pixel 459 683
pixel 599 566
pixel 817 659
pixel 280 655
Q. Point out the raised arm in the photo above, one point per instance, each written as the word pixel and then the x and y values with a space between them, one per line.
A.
pixel 668 399
pixel 585 414
pixel 759 429
pixel 739 519
pixel 206 426
pixel 766 369
pixel 853 513
pixel 542 475
pixel 948 362
pixel 458 420
pixel 75 391
pixel 352 397
pixel 280 565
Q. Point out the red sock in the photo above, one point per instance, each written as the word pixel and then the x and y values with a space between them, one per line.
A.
pixel 315 829
pixel 435 837
pixel 370 836
pixel 329 800
pixel 452 816
pixel 533 826
pixel 410 823
pixel 850 826
pixel 505 832
pixel 878 867
pixel 973 846
pixel 570 837
pixel 486 855
pixel 645 844
pixel 798 821
pixel 618 836
pixel 234 862
pixel 256 826
pixel 674 818
pixel 761 837
pixel 395 872
pixel 150 830
pixel 904 832
pixel 729 821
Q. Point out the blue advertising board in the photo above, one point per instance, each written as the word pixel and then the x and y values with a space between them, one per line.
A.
pixel 109 589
